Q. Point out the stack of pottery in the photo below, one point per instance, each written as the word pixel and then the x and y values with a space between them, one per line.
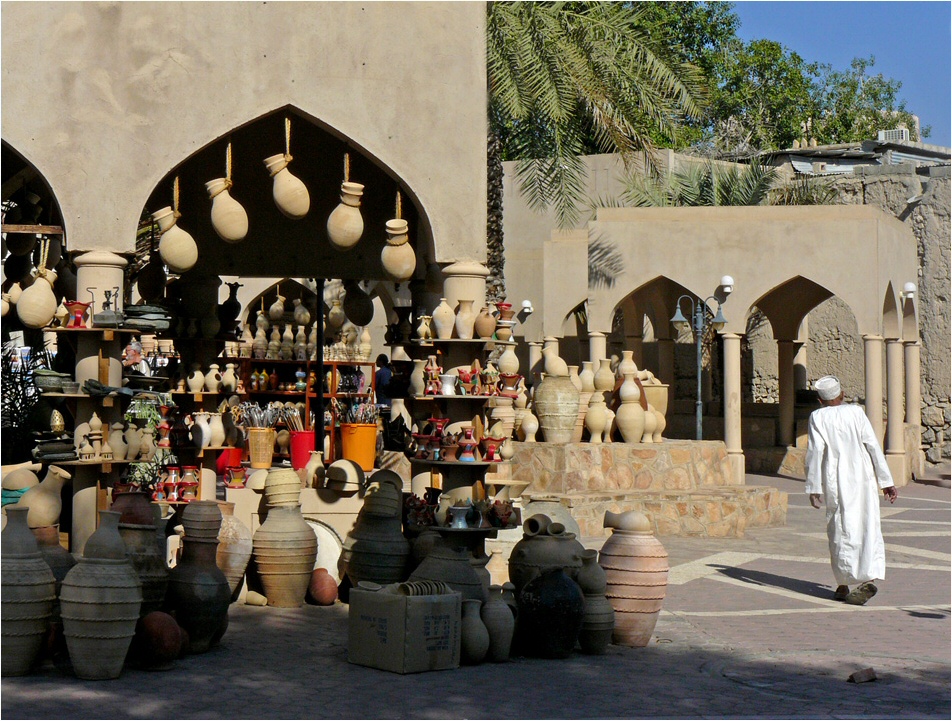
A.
pixel 138 531
pixel 27 592
pixel 598 623
pixel 544 546
pixel 375 549
pixel 234 548
pixel 100 602
pixel 636 569
pixel 285 547
pixel 198 592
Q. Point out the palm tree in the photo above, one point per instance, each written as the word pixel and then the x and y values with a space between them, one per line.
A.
pixel 704 184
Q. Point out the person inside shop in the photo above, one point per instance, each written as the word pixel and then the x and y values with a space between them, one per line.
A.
pixel 845 465
pixel 382 379
pixel 133 363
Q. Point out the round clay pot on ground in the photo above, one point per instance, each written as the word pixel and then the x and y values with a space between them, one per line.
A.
pixel 551 611
pixel 322 589
pixel 536 554
pixel 284 549
pixel 27 592
pixel 157 642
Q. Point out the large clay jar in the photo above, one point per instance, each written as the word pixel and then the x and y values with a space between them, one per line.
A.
pixel 198 593
pixel 100 601
pixel 636 569
pixel 234 548
pixel 465 319
pixel 229 219
pixel 147 560
pixel 598 622
pixel 289 192
pixel 451 565
pixel 501 624
pixel 345 224
pixel 474 636
pixel 631 416
pixel 556 405
pixel 540 551
pixel 627 364
pixel 587 377
pixel 551 612
pixel 418 377
pixel 45 500
pixel 37 304
pixel 444 320
pixel 376 550
pixel 397 257
pixel 57 558
pixel 285 549
pixel 485 324
pixel 177 248
pixel 27 592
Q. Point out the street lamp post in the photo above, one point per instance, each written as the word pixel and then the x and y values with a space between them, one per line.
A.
pixel 700 323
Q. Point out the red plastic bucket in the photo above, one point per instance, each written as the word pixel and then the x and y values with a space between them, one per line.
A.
pixel 302 443
pixel 229 458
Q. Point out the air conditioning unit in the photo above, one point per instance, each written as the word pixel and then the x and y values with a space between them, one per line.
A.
pixel 893 135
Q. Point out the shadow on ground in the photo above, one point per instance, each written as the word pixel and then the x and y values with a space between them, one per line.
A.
pixel 763 578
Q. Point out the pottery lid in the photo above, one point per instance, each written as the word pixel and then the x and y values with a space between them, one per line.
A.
pixel 352 188
pixel 398 226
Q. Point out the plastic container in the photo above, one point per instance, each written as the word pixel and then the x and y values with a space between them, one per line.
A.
pixel 302 443
pixel 359 443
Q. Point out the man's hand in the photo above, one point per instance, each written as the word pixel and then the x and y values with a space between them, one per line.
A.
pixel 816 499
pixel 891 493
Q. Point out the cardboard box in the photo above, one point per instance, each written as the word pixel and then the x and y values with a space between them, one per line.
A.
pixel 404 634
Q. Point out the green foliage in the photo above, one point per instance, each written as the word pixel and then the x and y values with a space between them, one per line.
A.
pixel 702 184
pixel 567 78
pixel 804 190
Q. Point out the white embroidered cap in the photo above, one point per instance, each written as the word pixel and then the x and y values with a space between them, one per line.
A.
pixel 828 387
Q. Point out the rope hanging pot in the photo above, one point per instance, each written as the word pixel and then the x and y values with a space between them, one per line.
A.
pixel 229 219
pixel 290 194
pixel 345 225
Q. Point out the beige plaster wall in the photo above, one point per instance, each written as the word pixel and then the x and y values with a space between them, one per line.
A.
pixel 105 98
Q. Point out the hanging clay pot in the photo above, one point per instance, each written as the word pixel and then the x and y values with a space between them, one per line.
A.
pixel 485 324
pixel 557 406
pixel 302 316
pixel 465 319
pixel 100 602
pixel 285 549
pixel 27 593
pixel 229 219
pixel 152 278
pixel 551 612
pixel 345 224
pixel 444 320
pixel 289 192
pixel 474 636
pixel 21 243
pixel 336 315
pixel 37 304
pixel 198 591
pixel 177 248
pixel 276 311
pixel 357 305
pixel 234 548
pixel 45 501
pixel 397 257
pixel 500 623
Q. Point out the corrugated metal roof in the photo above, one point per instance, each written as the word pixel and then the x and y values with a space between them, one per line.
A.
pixel 838 167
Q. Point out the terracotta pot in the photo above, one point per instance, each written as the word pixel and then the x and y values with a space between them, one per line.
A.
pixel 234 548
pixel 551 612
pixel 345 224
pixel 485 324
pixel 229 219
pixel 375 550
pixel 474 636
pixel 557 405
pixel 501 624
pixel 285 549
pixel 465 319
pixel 534 555
pixel 198 591
pixel 27 593
pixel 596 419
pixel 157 642
pixel 100 602
pixel 37 304
pixel 444 320
pixel 631 416
pixel 636 569
pixel 45 500
pixel 177 248
pixel 397 256
pixel 452 566
pixel 149 563
pixel 289 192
pixel 322 588
pixel 604 378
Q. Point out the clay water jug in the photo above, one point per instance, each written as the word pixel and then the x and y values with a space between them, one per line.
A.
pixel 234 548
pixel 501 624
pixel 418 377
pixel 196 379
pixel 485 324
pixel 27 593
pixel 636 569
pixel 551 612
pixel 45 501
pixel 302 316
pixel 177 248
pixel 212 381
pixel 100 602
pixel 556 406
pixel 229 219
pixel 201 432
pixel 289 192
pixel 285 549
pixel 37 304
pixel 198 591
pixel 465 319
pixel 216 430
pixel 276 311
pixel 117 442
pixel 631 416
pixel 474 636
pixel 229 379
pixel 444 320
pixel 596 419
pixel 397 256
pixel 345 224
pixel 604 378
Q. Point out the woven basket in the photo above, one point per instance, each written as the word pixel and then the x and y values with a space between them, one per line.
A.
pixel 261 446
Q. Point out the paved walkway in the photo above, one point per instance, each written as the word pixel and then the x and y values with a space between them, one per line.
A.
pixel 748 630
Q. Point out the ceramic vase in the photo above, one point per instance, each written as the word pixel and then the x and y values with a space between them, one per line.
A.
pixel 313 473
pixel 509 361
pixel 556 406
pixel 397 257
pixel 551 612
pixel 201 432
pixel 100 602
pixel 474 636
pixel 418 377
pixel 596 419
pixel 636 569
pixel 117 442
pixel 573 376
pixel 659 428
pixel 529 427
pixel 147 560
pixel 133 437
pixel 465 319
pixel 599 620
pixel 229 379
pixel 631 416
pixel 289 192
pixel 234 548
pixel 604 378
pixel 27 593
pixel 345 224
pixel 444 320
pixel 485 324
pixel 229 219
pixel 651 423
pixel 587 377
pixel 216 430
pixel 627 364
pixel 37 304
pixel 285 549
pixel 501 624
pixel 212 380
pixel 45 501
pixel 198 591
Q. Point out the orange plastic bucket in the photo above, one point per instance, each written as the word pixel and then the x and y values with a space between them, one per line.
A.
pixel 359 443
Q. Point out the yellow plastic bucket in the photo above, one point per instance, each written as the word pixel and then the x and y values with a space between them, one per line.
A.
pixel 359 443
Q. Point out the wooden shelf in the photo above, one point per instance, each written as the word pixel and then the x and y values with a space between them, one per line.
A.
pixel 450 398
pixel 451 341
pixel 462 464
pixel 41 229
pixel 57 394
pixel 276 393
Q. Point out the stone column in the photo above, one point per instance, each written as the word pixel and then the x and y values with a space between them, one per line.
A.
pixel 732 406
pixel 535 358
pixel 894 388
pixel 465 279
pixel 873 358
pixel 597 346
pixel 785 376
pixel 913 383
pixel 800 376
pixel 666 361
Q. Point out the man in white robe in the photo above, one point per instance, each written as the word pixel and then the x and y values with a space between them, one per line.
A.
pixel 845 465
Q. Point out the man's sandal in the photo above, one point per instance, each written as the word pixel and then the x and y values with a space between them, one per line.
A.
pixel 861 594
pixel 841 593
